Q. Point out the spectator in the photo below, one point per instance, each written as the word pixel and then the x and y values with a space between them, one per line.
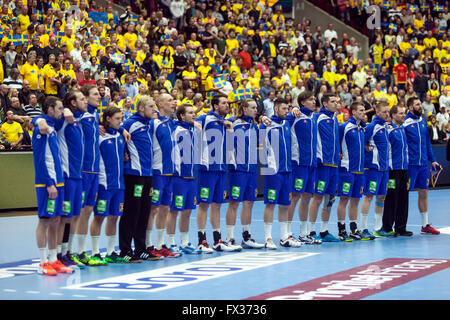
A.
pixel 33 109
pixel 434 129
pixel 269 104
pixel 11 131
pixel 428 107
pixel 442 117
pixel 13 81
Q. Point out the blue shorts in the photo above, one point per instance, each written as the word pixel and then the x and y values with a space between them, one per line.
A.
pixel 278 188
pixel 419 177
pixel 73 198
pixel 376 182
pixel 350 184
pixel 109 203
pixel 49 208
pixel 212 187
pixel 326 180
pixel 303 178
pixel 90 189
pixel 162 190
pixel 243 186
pixel 184 194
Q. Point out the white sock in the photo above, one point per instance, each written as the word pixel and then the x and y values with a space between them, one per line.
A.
pixel 268 229
pixel 284 230
pixel 43 255
pixel 159 238
pixel 184 237
pixel 70 243
pixel 424 218
pixel 148 238
pixel 95 244
pixel 378 221
pixel 364 218
pixel 52 255
pixel 324 226
pixel 110 244
pixel 58 248
pixel 170 239
pixel 64 248
pixel 303 228
pixel 81 243
pixel 312 227
pixel 246 227
pixel 289 231
pixel 230 232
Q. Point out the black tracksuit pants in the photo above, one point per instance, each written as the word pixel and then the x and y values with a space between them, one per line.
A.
pixel 136 210
pixel 396 202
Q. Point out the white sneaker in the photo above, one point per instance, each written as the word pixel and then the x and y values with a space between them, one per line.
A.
pixel 270 245
pixel 251 244
pixel 234 245
pixel 289 242
pixel 204 248
pixel 223 246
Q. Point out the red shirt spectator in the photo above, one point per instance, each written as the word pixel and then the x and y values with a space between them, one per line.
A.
pixel 246 57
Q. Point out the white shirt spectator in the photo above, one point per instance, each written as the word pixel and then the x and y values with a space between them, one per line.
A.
pixel 177 8
pixel 442 118
pixel 330 34
pixel 444 101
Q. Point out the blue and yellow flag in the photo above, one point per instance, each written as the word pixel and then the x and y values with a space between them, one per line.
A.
pixel 393 27
pixel 39 14
pixel 438 8
pixel 219 82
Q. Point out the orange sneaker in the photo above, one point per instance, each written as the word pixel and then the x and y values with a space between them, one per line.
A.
pixel 60 268
pixel 46 269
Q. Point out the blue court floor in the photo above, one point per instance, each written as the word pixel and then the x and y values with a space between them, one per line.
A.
pixel 245 274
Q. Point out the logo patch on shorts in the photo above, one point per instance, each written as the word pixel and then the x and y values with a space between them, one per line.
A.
pixel 83 194
pixel 235 191
pixel 67 205
pixel 321 185
pixel 346 187
pixel 179 200
pixel 138 190
pixel 298 185
pixel 51 205
pixel 101 205
pixel 391 184
pixel 204 193
pixel 121 207
pixel 155 195
pixel 373 186
pixel 272 194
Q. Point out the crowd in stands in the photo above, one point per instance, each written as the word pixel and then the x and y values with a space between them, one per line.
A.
pixel 242 48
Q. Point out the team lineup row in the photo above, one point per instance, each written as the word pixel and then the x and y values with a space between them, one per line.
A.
pixel 141 171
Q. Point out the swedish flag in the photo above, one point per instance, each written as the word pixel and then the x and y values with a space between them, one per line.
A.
pixel 210 95
pixel 438 8
pixel 117 58
pixel 248 93
pixel 16 39
pixel 103 105
pixel 351 82
pixel 414 8
pixel 133 18
pixel 38 14
pixel 59 35
pixel 129 65
pixel 239 94
pixel 424 6
pixel 393 27
pixel 386 4
pixel 219 82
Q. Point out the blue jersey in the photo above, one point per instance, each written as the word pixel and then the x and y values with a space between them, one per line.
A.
pixel 112 147
pixel 89 123
pixel 162 139
pixel 277 146
pixel 212 143
pixel 328 147
pixel 71 145
pixel 376 135
pixel 304 138
pixel 351 137
pixel 140 147
pixel 398 147
pixel 184 151
pixel 418 139
pixel 245 142
pixel 46 157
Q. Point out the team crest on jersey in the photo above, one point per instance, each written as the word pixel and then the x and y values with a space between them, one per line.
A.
pixel 225 194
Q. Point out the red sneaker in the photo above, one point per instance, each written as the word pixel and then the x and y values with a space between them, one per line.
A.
pixel 60 268
pixel 429 230
pixel 46 269
pixel 165 252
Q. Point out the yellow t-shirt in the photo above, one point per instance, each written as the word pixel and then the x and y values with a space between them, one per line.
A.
pixel 10 131
pixel 24 21
pixel 192 74
pixel 130 38
pixel 329 77
pixel 430 42
pixel 377 52
pixel 392 100
pixel 203 72
pixel 231 44
pixel 49 87
pixel 31 74
pixel 434 94
pixel 293 75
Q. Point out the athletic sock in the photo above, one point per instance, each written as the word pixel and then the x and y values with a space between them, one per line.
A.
pixel 148 238
pixel 303 228
pixel 268 230
pixel 353 226
pixel 289 231
pixel 184 238
pixel 52 255
pixel 70 243
pixel 312 227
pixel 284 230
pixel 81 243
pixel 424 219
pixel 216 235
pixel 230 232
pixel 95 244
pixel 43 255
pixel 201 235
pixel 341 225
pixel 64 248
pixel 110 244
pixel 159 238
pixel 170 239
pixel 324 226
pixel 378 221
pixel 364 218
